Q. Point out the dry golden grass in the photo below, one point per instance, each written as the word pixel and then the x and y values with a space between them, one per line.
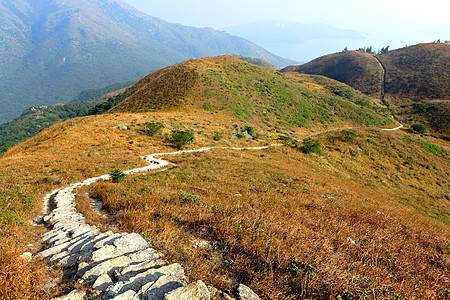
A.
pixel 70 152
pixel 279 222
pixel 277 232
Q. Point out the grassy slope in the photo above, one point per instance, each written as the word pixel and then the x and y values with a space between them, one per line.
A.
pixel 418 72
pixel 247 92
pixel 256 61
pixel 282 236
pixel 419 75
pixel 357 69
pixel 415 74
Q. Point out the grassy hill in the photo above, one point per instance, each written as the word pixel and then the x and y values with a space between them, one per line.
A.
pixel 367 214
pixel 52 50
pixel 418 72
pixel 417 83
pixel 357 69
pixel 228 86
pixel 256 61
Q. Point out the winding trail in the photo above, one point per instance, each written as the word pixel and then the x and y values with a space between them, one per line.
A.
pixel 117 265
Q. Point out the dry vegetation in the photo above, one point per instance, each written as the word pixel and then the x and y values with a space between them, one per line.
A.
pixel 367 219
pixel 357 69
pixel 301 226
pixel 418 72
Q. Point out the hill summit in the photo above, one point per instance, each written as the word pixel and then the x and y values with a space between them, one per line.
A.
pixel 229 86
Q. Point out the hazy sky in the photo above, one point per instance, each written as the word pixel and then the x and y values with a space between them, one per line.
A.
pixel 385 22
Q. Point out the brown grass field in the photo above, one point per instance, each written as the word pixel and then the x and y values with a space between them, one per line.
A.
pixel 366 219
pixel 281 221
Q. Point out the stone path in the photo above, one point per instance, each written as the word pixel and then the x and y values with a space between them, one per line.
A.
pixel 118 265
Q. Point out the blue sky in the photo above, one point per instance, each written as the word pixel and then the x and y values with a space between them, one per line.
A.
pixel 384 22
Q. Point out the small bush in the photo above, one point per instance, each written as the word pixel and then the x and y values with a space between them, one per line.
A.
pixel 423 107
pixel 239 136
pixel 285 140
pixel 250 130
pixel 347 135
pixel 187 198
pixel 217 138
pixel 419 128
pixel 309 145
pixel 151 128
pixel 117 175
pixel 180 138
pixel 208 106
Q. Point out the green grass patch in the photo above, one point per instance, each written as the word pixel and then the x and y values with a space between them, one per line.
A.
pixel 431 148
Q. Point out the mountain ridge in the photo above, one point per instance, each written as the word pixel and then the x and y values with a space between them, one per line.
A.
pixel 53 50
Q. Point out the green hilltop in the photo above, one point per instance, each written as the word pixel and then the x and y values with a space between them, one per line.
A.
pixel 228 86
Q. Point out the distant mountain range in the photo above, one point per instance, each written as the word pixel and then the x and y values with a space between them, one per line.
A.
pixel 52 50
pixel 302 42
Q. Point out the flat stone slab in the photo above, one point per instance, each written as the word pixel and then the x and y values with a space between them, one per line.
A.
pixel 195 291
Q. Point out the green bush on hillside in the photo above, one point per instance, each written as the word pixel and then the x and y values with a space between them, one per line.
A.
pixel 347 135
pixel 151 128
pixel 250 130
pixel 179 138
pixel 117 175
pixel 419 128
pixel 309 145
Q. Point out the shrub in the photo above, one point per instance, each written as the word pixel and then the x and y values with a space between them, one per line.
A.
pixel 285 140
pixel 217 138
pixel 431 148
pixel 419 128
pixel 347 135
pixel 239 136
pixel 250 130
pixel 422 107
pixel 309 145
pixel 187 198
pixel 180 138
pixel 208 106
pixel 151 128
pixel 117 175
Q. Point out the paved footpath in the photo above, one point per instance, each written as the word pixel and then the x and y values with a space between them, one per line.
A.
pixel 118 266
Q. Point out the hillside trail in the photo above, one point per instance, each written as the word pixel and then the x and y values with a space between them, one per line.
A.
pixel 383 81
pixel 117 265
pixel 120 265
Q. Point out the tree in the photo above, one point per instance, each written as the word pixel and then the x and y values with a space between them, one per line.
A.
pixel 384 50
pixel 345 49
pixel 117 175
pixel 309 145
pixel 151 128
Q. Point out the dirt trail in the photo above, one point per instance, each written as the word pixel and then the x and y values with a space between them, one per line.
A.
pixel 383 81
pixel 116 265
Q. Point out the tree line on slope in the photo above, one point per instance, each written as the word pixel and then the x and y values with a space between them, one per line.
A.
pixel 37 118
